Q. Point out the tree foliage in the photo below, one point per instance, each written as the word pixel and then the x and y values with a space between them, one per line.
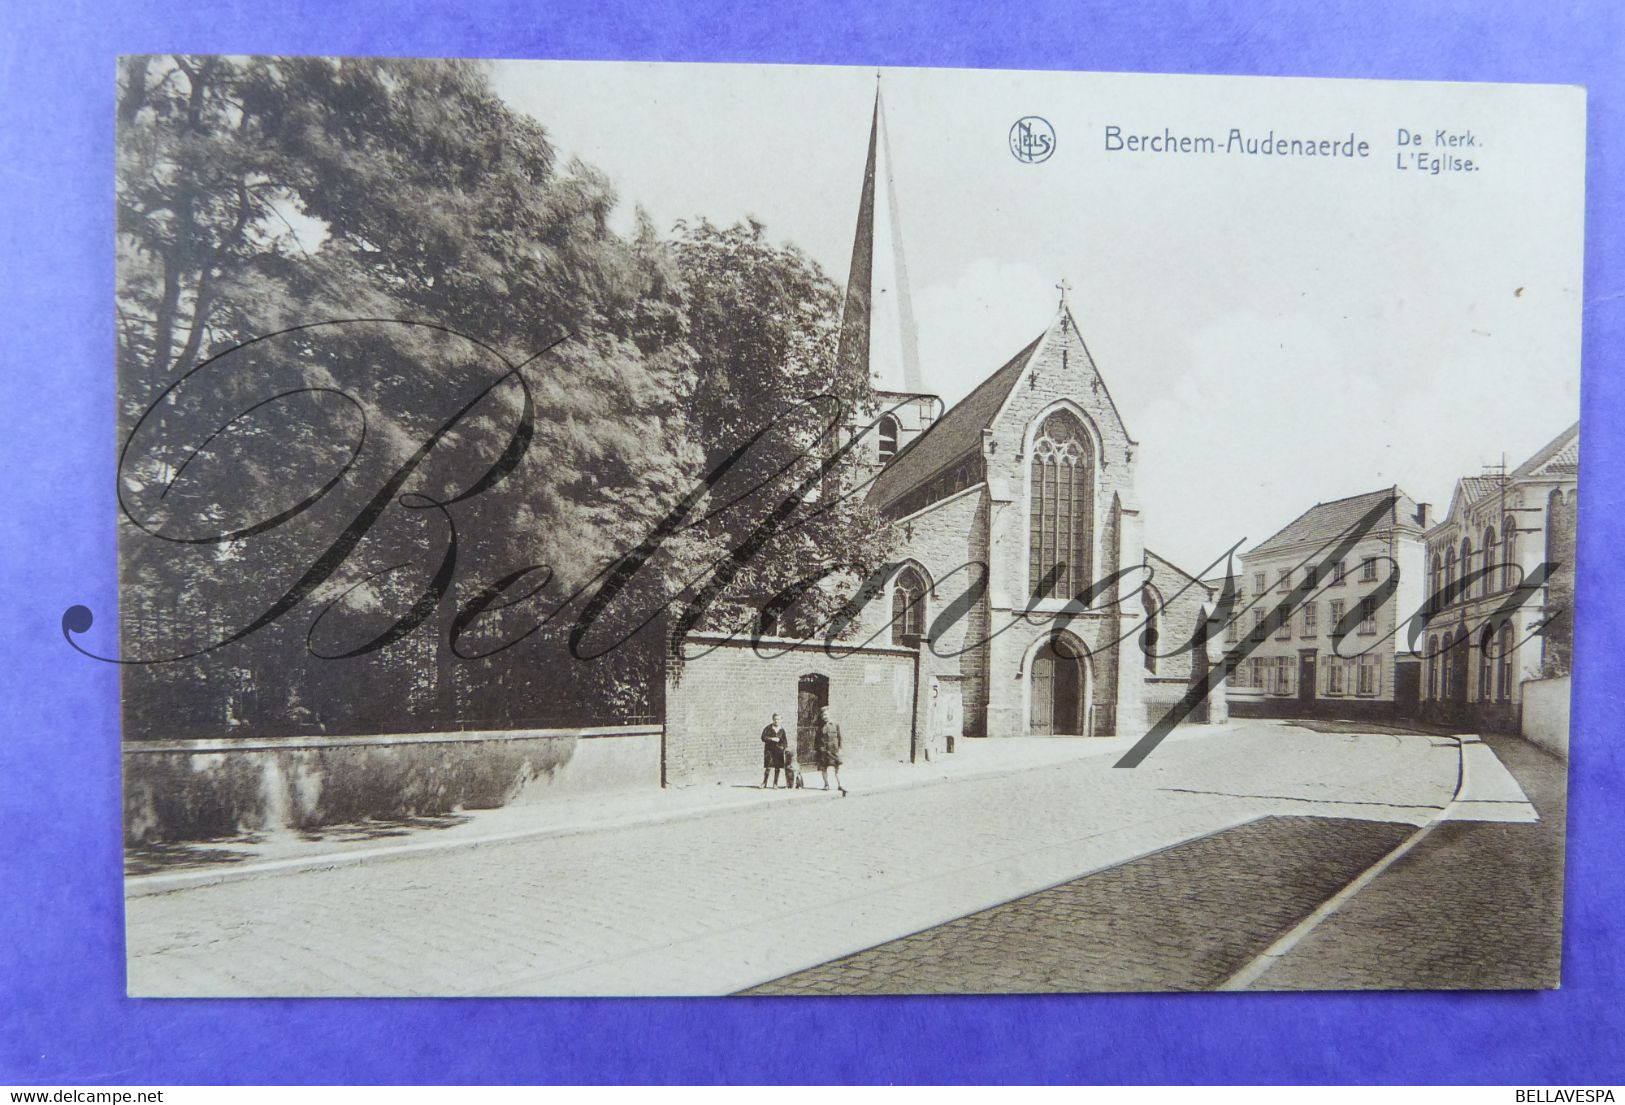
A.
pixel 268 205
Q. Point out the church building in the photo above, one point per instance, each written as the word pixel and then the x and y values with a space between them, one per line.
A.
pixel 1007 505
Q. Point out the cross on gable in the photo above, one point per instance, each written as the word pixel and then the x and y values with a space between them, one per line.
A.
pixel 1063 286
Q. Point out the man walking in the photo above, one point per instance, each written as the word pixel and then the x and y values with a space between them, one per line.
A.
pixel 775 742
pixel 827 748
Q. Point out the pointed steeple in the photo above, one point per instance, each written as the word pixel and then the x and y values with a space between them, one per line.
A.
pixel 877 319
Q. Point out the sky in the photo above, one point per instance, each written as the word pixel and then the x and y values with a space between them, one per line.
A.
pixel 1276 331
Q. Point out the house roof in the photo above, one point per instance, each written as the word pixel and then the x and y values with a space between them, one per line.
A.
pixel 1558 457
pixel 1324 521
pixel 956 433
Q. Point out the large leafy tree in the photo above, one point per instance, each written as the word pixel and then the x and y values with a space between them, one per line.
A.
pixel 268 205
pixel 763 321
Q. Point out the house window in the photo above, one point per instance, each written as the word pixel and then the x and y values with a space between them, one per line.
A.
pixel 1283 580
pixel 1368 569
pixel 888 439
pixel 1335 615
pixel 1283 632
pixel 1337 574
pixel 1503 685
pixel 1509 567
pixel 1368 616
pixel 1061 498
pixel 1258 625
pixel 1334 675
pixel 1308 619
pixel 1232 632
pixel 1260 582
pixel 1368 675
pixel 1280 674
pixel 1311 576
pixel 908 608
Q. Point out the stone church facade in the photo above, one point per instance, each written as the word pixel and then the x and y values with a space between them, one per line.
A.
pixel 1011 503
pixel 1004 508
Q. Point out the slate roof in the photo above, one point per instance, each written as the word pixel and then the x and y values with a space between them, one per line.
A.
pixel 1559 456
pixel 1324 521
pixel 955 434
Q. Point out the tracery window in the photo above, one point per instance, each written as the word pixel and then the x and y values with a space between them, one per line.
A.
pixel 908 608
pixel 1061 503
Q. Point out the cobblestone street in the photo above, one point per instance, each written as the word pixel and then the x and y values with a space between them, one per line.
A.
pixel 1185 918
pixel 1171 875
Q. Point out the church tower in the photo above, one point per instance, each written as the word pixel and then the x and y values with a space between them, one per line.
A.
pixel 877 317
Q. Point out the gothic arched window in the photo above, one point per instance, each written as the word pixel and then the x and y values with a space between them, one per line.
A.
pixel 1433 664
pixel 1489 561
pixel 908 608
pixel 1061 497
pixel 1435 581
pixel 1466 568
pixel 888 439
pixel 1486 663
pixel 1446 597
pixel 1153 603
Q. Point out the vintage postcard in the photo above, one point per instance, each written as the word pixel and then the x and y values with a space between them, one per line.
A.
pixel 646 529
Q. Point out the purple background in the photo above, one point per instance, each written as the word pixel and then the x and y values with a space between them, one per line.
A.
pixel 63 1015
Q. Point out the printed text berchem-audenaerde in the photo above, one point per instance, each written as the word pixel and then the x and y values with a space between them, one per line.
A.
pixel 1238 142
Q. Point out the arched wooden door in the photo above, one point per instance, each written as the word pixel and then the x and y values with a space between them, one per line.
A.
pixel 812 695
pixel 1059 703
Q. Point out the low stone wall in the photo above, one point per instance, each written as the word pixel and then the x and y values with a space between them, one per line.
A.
pixel 1546 714
pixel 198 789
pixel 718 702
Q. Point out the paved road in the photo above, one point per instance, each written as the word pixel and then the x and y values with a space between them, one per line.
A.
pixel 723 903
pixel 1185 918
pixel 1475 905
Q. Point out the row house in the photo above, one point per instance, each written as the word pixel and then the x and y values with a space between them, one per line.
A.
pixel 1300 667
pixel 1501 586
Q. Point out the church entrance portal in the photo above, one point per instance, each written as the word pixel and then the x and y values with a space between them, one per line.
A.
pixel 1060 690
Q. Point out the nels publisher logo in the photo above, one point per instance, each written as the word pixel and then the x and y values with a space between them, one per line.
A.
pixel 1032 139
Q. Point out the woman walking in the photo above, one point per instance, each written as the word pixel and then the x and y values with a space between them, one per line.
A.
pixel 827 749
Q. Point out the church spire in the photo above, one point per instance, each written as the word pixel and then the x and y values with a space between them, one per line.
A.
pixel 877 319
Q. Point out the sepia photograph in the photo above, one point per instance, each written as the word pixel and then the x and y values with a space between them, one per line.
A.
pixel 672 529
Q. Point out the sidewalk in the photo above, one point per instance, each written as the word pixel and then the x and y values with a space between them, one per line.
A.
pixel 717 889
pixel 170 867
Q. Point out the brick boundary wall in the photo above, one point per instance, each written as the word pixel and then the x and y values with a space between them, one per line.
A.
pixel 724 692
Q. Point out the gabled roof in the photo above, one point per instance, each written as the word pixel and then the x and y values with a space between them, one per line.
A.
pixel 1559 457
pixel 1324 521
pixel 956 433
pixel 1167 589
